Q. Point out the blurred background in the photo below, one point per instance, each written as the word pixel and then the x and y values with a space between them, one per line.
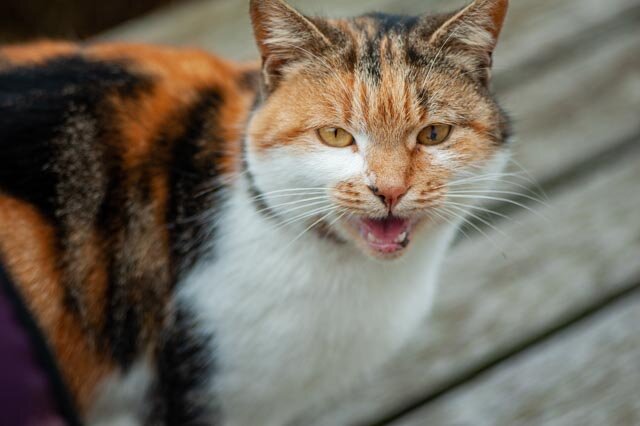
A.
pixel 76 19
pixel 536 322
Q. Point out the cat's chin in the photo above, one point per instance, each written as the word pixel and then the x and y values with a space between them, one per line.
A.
pixel 383 238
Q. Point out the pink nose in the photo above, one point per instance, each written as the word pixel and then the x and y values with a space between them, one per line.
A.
pixel 390 195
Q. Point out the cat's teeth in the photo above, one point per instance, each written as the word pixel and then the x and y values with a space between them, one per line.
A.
pixel 371 238
pixel 400 238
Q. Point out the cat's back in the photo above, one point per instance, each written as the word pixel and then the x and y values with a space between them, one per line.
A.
pixel 98 145
pixel 127 98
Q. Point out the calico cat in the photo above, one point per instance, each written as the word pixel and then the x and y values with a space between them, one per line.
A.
pixel 207 242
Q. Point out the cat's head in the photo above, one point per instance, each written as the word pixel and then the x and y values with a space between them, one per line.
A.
pixel 368 125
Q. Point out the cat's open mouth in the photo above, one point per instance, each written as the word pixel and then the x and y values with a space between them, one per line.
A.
pixel 387 235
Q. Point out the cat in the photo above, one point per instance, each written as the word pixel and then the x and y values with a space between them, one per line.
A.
pixel 209 242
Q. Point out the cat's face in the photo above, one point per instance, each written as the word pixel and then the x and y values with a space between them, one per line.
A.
pixel 368 125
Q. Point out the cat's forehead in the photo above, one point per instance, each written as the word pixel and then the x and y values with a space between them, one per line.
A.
pixel 377 44
pixel 378 79
pixel 379 25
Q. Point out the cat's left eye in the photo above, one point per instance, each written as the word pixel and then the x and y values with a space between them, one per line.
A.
pixel 434 134
pixel 335 136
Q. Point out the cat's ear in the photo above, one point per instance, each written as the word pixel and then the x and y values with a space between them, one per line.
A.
pixel 284 36
pixel 470 35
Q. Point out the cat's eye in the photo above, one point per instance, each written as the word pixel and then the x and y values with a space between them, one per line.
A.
pixel 434 134
pixel 335 136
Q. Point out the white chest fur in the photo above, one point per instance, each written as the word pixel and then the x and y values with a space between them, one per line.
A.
pixel 295 322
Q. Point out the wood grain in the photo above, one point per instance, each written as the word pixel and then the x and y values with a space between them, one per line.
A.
pixel 578 108
pixel 587 375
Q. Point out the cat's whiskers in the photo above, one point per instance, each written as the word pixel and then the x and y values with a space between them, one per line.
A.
pixel 497 191
pixel 308 228
pixel 299 201
pixel 304 215
pixel 469 185
pixel 447 219
pixel 497 177
pixel 467 213
pixel 465 220
pixel 479 208
pixel 289 192
pixel 219 183
pixel 497 199
pixel 307 204
pixel 530 178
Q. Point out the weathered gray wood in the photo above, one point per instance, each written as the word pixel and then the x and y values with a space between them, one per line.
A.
pixel 579 108
pixel 492 298
pixel 588 375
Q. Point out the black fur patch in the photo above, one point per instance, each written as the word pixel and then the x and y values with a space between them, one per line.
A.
pixel 195 189
pixel 257 198
pixel 56 119
pixel 250 81
pixel 34 106
pixel 184 366
pixel 122 326
pixel 369 61
pixel 394 23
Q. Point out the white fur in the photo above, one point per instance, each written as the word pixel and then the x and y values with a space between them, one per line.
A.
pixel 122 399
pixel 295 320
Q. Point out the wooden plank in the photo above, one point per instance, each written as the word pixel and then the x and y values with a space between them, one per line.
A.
pixel 492 300
pixel 579 108
pixel 588 375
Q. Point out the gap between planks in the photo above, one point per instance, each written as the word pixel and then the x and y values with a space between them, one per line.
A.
pixel 519 348
pixel 585 374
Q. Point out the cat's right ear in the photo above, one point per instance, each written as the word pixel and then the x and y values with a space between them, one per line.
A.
pixel 470 36
pixel 284 36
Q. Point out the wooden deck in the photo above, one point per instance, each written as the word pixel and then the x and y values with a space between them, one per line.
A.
pixel 538 322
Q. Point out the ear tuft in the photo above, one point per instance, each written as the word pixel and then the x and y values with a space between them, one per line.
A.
pixel 283 36
pixel 472 34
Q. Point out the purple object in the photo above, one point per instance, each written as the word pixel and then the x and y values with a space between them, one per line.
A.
pixel 31 392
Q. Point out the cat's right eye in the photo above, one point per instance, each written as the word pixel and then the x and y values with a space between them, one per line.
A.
pixel 434 134
pixel 335 136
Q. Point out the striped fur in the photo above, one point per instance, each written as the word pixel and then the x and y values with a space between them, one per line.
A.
pixel 138 219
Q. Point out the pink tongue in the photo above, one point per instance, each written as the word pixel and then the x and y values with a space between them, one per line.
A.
pixel 384 230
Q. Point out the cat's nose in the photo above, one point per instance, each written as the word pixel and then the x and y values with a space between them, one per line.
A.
pixel 390 195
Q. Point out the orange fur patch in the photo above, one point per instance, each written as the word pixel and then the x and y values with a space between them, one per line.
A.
pixel 27 245
pixel 36 52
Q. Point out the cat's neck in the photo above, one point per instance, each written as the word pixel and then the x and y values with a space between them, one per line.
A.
pixel 264 294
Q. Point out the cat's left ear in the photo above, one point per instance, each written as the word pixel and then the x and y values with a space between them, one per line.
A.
pixel 470 35
pixel 284 36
